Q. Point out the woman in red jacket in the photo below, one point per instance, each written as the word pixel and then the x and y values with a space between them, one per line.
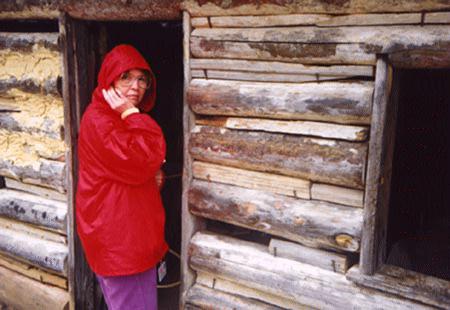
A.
pixel 120 217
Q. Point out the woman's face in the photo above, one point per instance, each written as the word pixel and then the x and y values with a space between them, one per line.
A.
pixel 133 84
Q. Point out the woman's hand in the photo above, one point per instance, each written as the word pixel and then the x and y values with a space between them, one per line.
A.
pixel 116 101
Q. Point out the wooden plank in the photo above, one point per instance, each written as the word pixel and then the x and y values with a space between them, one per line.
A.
pixel 347 103
pixel 199 22
pixel 336 194
pixel 33 272
pixel 314 223
pixel 251 265
pixel 425 58
pixel 33 209
pixel 198 73
pixel 20 292
pixel 26 42
pixel 36 190
pixel 32 230
pixel 320 160
pixel 265 182
pixel 280 67
pixel 30 85
pixel 305 53
pixel 405 283
pixel 306 128
pixel 212 281
pixel 207 298
pixel 314 19
pixel 437 18
pixel 322 259
pixel 31 249
pixel 251 7
pixel 378 172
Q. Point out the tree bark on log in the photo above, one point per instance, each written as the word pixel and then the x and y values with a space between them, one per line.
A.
pixel 33 209
pixel 314 223
pixel 321 160
pixel 251 265
pixel 48 87
pixel 347 103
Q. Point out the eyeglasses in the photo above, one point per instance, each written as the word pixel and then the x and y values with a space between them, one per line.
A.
pixel 126 80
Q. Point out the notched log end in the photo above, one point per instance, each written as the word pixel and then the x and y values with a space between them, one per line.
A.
pixel 347 242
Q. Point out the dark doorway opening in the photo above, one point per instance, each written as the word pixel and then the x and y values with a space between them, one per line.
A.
pixel 418 235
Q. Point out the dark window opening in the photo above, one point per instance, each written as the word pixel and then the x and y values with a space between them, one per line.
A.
pixel 418 235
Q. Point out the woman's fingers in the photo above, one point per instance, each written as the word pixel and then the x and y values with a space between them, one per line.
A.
pixel 113 98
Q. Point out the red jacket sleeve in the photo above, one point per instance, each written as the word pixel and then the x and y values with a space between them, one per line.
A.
pixel 128 151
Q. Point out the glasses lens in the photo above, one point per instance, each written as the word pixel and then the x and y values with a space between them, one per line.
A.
pixel 127 80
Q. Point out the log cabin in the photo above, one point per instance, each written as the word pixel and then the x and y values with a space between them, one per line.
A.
pixel 307 159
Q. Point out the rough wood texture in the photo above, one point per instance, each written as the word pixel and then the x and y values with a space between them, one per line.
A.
pixel 342 195
pixel 305 53
pixel 426 58
pixel 265 182
pixel 321 160
pixel 331 101
pixel 317 224
pixel 47 87
pixel 25 42
pixel 269 7
pixel 33 272
pixel 207 298
pixel 322 259
pixel 280 67
pixel 252 266
pixel 437 18
pixel 20 292
pixel 378 172
pixel 310 19
pixel 317 129
pixel 33 209
pixel 405 283
pixel 36 190
pixel 199 22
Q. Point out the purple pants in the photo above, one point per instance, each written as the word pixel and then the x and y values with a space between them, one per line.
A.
pixel 137 291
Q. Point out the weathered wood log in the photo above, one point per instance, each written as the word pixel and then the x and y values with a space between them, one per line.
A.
pixel 322 259
pixel 314 223
pixel 32 230
pixel 198 73
pixel 214 282
pixel 422 58
pixel 200 22
pixel 280 67
pixel 35 190
pixel 405 283
pixel 348 103
pixel 20 292
pixel 342 195
pixel 310 19
pixel 321 160
pixel 207 298
pixel 29 248
pixel 307 53
pixel 377 39
pixel 317 129
pixel 33 209
pixel 251 265
pixel 437 18
pixel 250 7
pixel 49 86
pixel 25 42
pixel 33 272
pixel 251 179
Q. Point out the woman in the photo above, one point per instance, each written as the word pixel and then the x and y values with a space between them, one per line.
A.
pixel 120 217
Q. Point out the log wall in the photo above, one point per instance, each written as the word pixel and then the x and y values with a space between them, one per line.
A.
pixel 282 95
pixel 33 207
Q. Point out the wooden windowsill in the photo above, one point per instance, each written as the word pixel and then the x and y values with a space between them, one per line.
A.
pixel 405 283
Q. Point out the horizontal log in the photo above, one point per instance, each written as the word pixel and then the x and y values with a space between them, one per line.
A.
pixel 207 298
pixel 405 283
pixel 28 248
pixel 437 18
pixel 336 194
pixel 27 42
pixel 33 272
pixel 377 39
pixel 328 54
pixel 47 87
pixel 198 73
pixel 422 58
pixel 313 19
pixel 280 67
pixel 212 281
pixel 316 224
pixel 35 190
pixel 33 209
pixel 199 22
pixel 20 292
pixel 321 160
pixel 251 265
pixel 251 7
pixel 348 103
pixel 273 183
pixel 322 259
pixel 306 128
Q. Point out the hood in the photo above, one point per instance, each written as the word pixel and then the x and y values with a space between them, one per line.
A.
pixel 120 59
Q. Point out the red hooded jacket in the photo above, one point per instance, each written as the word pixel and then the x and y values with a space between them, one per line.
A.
pixel 120 217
